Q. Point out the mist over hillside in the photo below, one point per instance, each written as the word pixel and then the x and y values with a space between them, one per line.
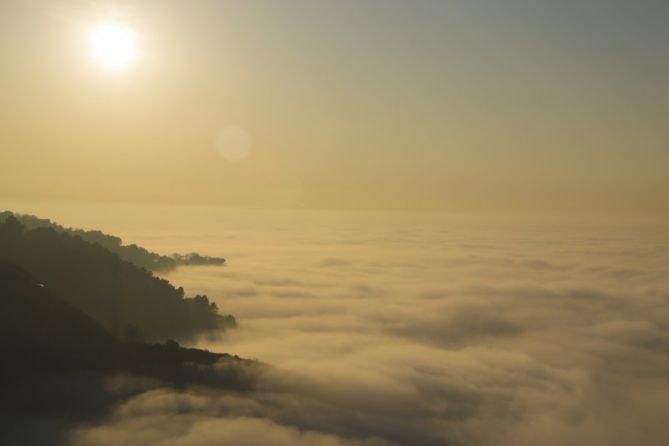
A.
pixel 73 321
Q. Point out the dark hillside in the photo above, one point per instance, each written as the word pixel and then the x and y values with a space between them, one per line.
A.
pixel 134 254
pixel 128 301
pixel 39 331
pixel 55 362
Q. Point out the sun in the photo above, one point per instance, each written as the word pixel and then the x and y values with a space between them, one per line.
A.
pixel 113 45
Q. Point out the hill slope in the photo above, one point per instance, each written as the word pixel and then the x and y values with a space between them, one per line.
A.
pixel 128 301
pixel 134 254
pixel 56 364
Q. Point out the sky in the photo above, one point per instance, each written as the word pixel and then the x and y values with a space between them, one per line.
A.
pixel 493 106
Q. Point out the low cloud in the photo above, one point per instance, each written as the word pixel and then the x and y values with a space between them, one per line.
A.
pixel 425 338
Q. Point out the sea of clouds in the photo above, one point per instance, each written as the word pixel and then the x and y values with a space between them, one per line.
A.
pixel 389 330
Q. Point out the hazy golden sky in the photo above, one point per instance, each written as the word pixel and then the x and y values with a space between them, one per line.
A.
pixel 450 105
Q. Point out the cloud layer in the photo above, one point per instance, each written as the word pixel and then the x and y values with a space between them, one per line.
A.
pixel 438 333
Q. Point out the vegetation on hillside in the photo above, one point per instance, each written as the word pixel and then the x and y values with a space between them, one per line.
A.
pixel 127 301
pixel 133 253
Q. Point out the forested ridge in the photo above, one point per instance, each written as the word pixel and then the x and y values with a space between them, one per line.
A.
pixel 133 253
pixel 56 363
pixel 39 331
pixel 129 302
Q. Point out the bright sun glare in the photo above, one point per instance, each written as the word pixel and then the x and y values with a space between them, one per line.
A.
pixel 113 46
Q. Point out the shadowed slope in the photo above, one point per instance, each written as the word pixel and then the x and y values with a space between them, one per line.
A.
pixel 56 364
pixel 127 301
pixel 134 254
